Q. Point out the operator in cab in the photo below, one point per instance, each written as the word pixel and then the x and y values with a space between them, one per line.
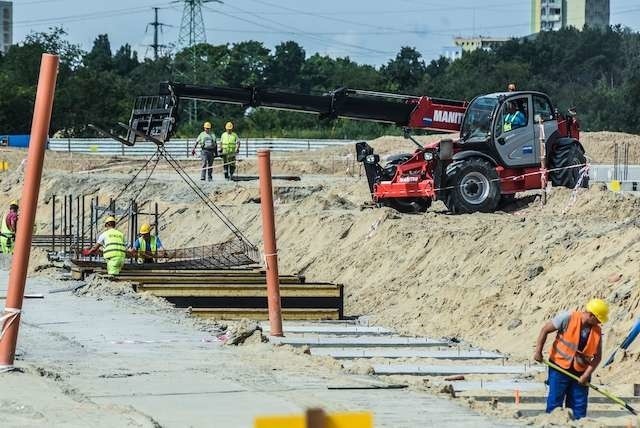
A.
pixel 514 118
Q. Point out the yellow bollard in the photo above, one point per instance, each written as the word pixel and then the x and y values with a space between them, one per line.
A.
pixel 332 420
pixel 615 185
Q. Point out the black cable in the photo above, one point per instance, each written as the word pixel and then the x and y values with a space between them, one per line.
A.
pixel 124 189
pixel 203 196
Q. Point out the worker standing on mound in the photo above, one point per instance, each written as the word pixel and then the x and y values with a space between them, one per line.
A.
pixel 577 349
pixel 113 247
pixel 208 151
pixel 8 228
pixel 230 147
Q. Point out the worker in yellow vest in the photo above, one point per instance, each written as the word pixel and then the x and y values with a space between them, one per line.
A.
pixel 114 249
pixel 8 228
pixel 147 247
pixel 230 147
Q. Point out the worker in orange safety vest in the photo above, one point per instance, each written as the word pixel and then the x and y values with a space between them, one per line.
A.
pixel 577 348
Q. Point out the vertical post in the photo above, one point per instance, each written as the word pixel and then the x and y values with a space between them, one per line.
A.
pixel 269 238
pixel 315 418
pixel 91 222
pixel 70 222
pixel 64 225
pixel 53 223
pixel 82 221
pixel 156 219
pixel 135 218
pixel 543 164
pixel 29 202
pixel 77 225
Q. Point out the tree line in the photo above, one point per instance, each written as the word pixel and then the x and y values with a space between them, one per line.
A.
pixel 595 71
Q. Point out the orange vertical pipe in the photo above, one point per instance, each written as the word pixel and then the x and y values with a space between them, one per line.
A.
pixel 28 205
pixel 269 238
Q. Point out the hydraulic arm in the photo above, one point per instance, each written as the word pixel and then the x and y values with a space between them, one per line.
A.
pixel 157 116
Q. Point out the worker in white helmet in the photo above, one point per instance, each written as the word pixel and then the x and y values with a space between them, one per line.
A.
pixel 112 243
pixel 209 150
pixel 230 147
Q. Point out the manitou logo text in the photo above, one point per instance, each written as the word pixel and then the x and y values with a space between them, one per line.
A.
pixel 447 116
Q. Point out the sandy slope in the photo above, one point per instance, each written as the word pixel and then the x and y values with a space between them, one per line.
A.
pixel 491 279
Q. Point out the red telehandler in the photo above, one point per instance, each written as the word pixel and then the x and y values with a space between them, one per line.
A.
pixel 493 157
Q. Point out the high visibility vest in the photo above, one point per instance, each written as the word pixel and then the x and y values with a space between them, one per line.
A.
pixel 153 244
pixel 508 120
pixel 207 141
pixel 113 244
pixel 564 349
pixel 4 228
pixel 229 142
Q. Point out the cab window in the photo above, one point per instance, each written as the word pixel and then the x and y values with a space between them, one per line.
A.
pixel 514 114
pixel 542 108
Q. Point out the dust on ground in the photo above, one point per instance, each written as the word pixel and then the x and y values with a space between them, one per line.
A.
pixel 491 279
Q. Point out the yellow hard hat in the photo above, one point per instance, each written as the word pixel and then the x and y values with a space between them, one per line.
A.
pixel 110 219
pixel 145 228
pixel 229 126
pixel 14 202
pixel 599 308
pixel 207 125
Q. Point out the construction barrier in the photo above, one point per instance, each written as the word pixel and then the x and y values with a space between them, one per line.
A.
pixel 333 420
pixel 181 148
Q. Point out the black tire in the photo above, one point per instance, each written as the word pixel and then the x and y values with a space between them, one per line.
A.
pixel 408 205
pixel 475 187
pixel 565 157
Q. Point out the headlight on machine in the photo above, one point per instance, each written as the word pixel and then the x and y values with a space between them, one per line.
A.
pixel 370 159
pixel 428 156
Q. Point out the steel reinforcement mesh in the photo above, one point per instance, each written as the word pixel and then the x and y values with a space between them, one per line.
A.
pixel 225 255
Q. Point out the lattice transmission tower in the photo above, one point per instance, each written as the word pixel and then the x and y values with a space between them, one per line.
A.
pixel 192 33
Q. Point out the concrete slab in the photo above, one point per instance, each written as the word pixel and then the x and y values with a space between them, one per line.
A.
pixel 341 330
pixel 138 366
pixel 447 370
pixel 359 341
pixel 444 354
pixel 505 385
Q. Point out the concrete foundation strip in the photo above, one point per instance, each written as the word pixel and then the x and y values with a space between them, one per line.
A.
pixel 446 370
pixel 368 341
pixel 448 354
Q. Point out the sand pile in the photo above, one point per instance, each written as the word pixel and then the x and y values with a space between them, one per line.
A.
pixel 492 279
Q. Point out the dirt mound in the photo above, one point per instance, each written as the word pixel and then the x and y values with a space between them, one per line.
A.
pixel 492 279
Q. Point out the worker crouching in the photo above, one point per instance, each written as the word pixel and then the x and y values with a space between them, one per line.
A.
pixel 113 246
pixel 577 348
pixel 8 229
pixel 147 247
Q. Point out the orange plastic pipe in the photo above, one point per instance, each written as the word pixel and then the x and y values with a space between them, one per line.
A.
pixel 28 204
pixel 269 238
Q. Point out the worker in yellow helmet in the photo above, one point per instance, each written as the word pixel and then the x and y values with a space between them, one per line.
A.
pixel 114 249
pixel 208 150
pixel 230 147
pixel 147 247
pixel 8 228
pixel 577 349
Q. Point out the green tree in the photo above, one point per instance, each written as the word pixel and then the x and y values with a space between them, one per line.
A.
pixel 100 57
pixel 405 71
pixel 285 65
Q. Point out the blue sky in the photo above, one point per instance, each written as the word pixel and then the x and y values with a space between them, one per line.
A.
pixel 368 31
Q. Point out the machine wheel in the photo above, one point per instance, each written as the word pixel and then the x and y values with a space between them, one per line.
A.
pixel 565 157
pixel 409 205
pixel 475 187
